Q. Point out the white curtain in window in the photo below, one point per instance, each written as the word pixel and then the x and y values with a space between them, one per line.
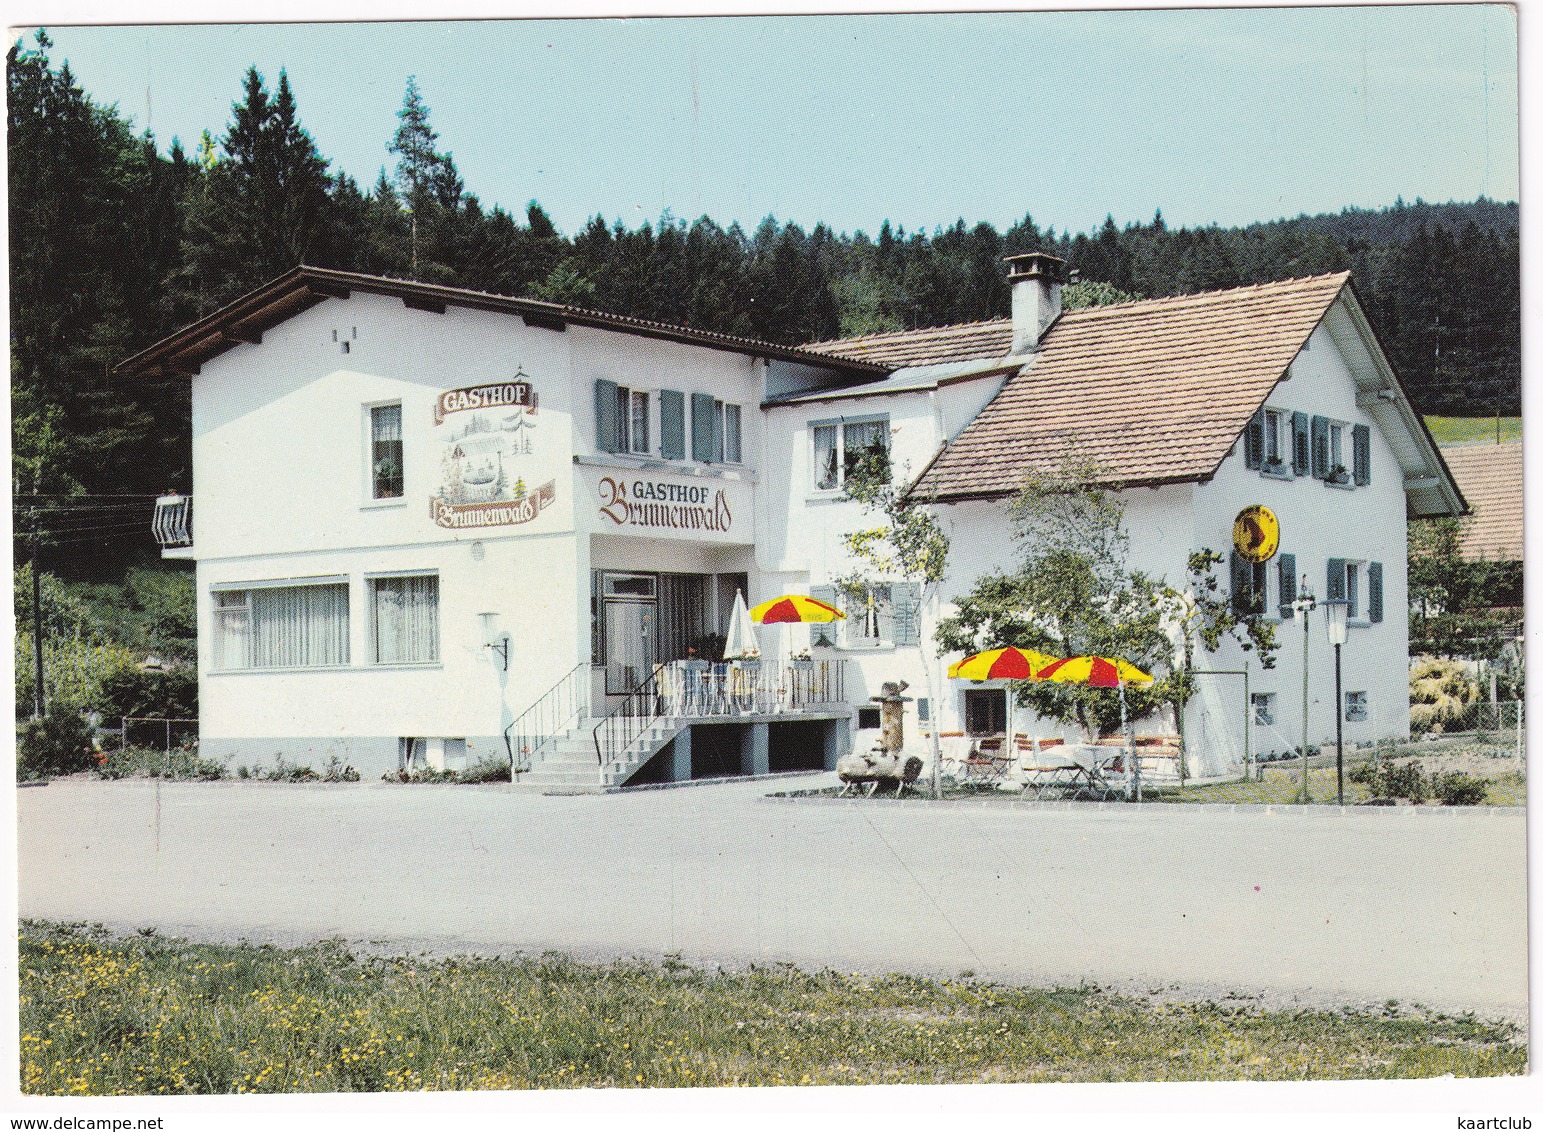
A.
pixel 406 620
pixel 232 630
pixel 825 456
pixel 299 627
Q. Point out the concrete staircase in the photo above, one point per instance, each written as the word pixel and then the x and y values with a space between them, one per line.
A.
pixel 568 764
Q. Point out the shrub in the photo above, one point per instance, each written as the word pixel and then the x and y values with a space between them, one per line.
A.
pixel 1455 788
pixel 338 771
pixel 422 774
pixel 487 768
pixel 58 743
pixel 170 692
pixel 1439 692
pixel 181 763
pixel 1403 780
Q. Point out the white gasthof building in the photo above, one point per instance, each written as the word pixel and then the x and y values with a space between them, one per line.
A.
pixel 435 525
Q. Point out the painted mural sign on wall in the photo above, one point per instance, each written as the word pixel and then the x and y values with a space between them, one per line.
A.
pixel 488 455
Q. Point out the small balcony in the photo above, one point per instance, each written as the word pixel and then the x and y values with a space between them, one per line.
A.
pixel 172 525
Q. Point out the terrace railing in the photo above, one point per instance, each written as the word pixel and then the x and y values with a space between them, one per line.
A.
pixel 640 709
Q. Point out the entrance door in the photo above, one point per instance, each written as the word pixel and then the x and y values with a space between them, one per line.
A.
pixel 630 620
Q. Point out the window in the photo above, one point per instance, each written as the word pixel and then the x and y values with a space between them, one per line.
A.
pixel 840 447
pixel 404 619
pixel 878 616
pixel 304 626
pixel 1277 440
pixel 1250 586
pixel 631 421
pixel 1336 449
pixel 1264 708
pixel 985 711
pixel 1333 459
pixel 637 421
pixel 1355 707
pixel 1345 583
pixel 728 432
pixel 386 452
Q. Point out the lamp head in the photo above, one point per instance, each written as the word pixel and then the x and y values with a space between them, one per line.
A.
pixel 1337 616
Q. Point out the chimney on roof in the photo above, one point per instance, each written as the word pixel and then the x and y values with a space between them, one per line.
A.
pixel 1036 279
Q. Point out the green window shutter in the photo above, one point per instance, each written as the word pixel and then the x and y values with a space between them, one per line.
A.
pixel 1337 579
pixel 672 424
pixel 606 419
pixel 702 447
pixel 1320 431
pixel 1361 443
pixel 824 633
pixel 1242 579
pixel 1374 591
pixel 1301 445
pixel 1287 565
pixel 1253 441
pixel 907 600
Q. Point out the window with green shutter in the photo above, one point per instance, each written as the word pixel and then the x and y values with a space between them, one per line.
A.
pixel 704 429
pixel 1253 441
pixel 1336 586
pixel 607 419
pixel 672 424
pixel 907 598
pixel 1374 592
pixel 824 634
pixel 1320 440
pixel 1286 565
pixel 1301 445
pixel 1361 454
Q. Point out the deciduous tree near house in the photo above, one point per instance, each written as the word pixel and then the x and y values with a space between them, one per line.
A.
pixel 907 545
pixel 1074 594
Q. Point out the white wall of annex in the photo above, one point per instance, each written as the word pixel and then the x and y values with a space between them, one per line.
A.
pixel 280 428
pixel 531 585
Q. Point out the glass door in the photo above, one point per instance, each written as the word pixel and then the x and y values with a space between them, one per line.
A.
pixel 630 620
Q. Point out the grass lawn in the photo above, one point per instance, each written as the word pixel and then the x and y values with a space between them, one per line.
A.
pixel 1472 430
pixel 101 1015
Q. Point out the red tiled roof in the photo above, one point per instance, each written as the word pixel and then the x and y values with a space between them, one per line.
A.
pixel 964 342
pixel 1154 391
pixel 1490 478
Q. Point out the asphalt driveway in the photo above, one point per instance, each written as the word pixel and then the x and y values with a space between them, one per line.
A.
pixel 1318 906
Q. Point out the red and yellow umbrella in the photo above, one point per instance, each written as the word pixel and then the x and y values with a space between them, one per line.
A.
pixel 1001 664
pixel 1094 671
pixel 795 609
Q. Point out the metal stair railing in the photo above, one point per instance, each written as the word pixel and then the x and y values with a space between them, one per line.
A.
pixel 547 718
pixel 639 710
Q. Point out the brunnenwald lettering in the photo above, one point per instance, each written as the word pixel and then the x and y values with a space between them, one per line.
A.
pixel 665 506
pixel 498 514
pixel 517 394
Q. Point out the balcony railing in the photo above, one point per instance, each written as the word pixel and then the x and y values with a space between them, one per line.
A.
pixel 172 523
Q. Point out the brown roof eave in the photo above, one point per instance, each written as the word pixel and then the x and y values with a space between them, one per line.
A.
pixel 238 320
pixel 1108 485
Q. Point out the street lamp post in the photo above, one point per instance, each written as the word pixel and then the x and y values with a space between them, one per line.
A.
pixel 1337 613
pixel 1304 604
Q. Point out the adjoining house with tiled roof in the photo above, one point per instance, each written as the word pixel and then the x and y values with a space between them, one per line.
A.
pixel 1490 478
pixel 437 525
pixel 1193 407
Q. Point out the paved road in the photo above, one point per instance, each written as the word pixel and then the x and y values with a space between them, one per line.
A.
pixel 1318 907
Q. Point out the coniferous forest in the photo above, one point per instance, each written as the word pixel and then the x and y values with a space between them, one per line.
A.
pixel 115 243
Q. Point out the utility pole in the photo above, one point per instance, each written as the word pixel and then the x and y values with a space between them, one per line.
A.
pixel 39 701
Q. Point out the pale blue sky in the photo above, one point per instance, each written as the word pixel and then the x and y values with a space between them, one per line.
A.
pixel 1222 116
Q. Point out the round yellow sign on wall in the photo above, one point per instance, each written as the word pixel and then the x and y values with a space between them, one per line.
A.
pixel 1256 534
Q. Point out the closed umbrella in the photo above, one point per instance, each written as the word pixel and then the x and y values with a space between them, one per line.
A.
pixel 741 640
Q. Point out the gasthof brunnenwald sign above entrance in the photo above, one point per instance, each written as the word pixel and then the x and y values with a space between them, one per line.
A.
pixel 491 443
